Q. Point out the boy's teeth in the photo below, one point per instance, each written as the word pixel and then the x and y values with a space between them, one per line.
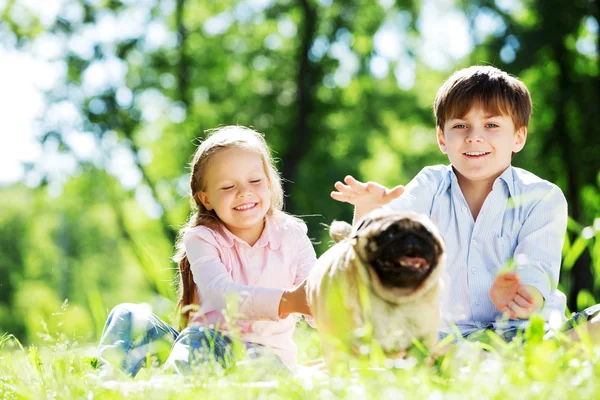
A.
pixel 476 153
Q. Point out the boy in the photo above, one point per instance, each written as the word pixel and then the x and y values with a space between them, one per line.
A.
pixel 488 212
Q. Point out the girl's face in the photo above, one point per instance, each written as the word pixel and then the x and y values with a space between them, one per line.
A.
pixel 236 187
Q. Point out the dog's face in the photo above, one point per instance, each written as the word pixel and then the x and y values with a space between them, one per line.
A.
pixel 401 249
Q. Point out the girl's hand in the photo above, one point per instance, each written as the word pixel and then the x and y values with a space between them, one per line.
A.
pixel 365 197
pixel 294 301
pixel 512 297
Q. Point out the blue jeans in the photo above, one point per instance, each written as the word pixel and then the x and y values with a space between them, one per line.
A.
pixel 133 334
pixel 509 334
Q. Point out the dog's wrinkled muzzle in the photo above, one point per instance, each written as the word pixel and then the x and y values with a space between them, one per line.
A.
pixel 406 253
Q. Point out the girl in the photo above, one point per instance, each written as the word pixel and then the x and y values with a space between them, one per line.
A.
pixel 238 252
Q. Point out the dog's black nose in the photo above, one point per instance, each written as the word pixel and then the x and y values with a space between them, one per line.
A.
pixel 412 241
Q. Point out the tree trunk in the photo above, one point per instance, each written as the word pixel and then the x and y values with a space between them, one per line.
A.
pixel 300 142
pixel 183 67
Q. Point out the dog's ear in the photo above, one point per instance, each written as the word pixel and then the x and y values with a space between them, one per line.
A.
pixel 363 223
pixel 339 230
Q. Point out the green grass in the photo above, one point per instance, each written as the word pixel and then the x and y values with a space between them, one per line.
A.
pixel 535 370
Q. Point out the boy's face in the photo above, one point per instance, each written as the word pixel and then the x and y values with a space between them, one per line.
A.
pixel 480 145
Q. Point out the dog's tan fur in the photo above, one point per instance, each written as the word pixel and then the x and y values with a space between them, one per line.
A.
pixel 351 307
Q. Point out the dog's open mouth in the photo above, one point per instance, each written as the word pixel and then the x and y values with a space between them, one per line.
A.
pixel 413 262
pixel 416 263
pixel 406 254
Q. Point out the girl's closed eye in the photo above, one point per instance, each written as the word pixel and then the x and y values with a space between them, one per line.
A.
pixel 227 187
pixel 256 180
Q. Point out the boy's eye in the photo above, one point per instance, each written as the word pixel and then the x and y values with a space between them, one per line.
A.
pixel 459 126
pixel 491 125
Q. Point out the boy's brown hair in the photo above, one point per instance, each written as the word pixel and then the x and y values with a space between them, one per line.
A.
pixel 494 90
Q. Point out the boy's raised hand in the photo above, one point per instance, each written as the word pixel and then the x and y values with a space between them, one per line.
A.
pixel 367 196
pixel 511 296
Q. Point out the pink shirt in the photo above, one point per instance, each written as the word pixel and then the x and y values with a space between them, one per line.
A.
pixel 252 279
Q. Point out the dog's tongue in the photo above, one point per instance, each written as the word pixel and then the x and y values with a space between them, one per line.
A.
pixel 413 262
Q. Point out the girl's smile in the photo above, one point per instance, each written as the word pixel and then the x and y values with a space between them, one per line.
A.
pixel 237 189
pixel 245 207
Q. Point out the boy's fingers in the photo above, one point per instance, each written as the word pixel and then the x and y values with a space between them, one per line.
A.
pixel 355 185
pixel 508 313
pixel 525 293
pixel 522 302
pixel 340 197
pixel 518 311
pixel 343 188
pixel 353 188
pixel 394 193
pixel 376 188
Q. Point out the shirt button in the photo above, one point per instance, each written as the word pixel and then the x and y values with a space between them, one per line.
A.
pixel 464 209
pixel 474 270
pixel 255 280
pixel 474 242
pixel 477 302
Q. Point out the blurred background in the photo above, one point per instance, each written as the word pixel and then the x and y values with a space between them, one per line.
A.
pixel 102 102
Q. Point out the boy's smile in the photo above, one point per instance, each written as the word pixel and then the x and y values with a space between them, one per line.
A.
pixel 480 145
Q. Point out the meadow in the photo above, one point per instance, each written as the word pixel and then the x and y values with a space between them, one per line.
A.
pixel 528 367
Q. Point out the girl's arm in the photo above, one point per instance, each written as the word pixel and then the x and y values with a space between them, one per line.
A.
pixel 217 286
pixel 294 300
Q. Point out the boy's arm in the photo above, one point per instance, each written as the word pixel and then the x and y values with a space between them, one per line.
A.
pixel 365 197
pixel 537 255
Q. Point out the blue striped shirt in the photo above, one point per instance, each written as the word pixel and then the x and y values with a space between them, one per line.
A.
pixel 523 219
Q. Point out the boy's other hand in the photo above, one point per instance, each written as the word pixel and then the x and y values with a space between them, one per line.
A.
pixel 368 196
pixel 511 296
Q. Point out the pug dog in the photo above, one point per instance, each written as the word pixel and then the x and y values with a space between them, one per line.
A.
pixel 379 285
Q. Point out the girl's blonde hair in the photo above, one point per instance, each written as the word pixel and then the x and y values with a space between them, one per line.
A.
pixel 218 139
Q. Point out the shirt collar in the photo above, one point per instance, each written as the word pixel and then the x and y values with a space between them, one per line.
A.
pixel 268 237
pixel 506 176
